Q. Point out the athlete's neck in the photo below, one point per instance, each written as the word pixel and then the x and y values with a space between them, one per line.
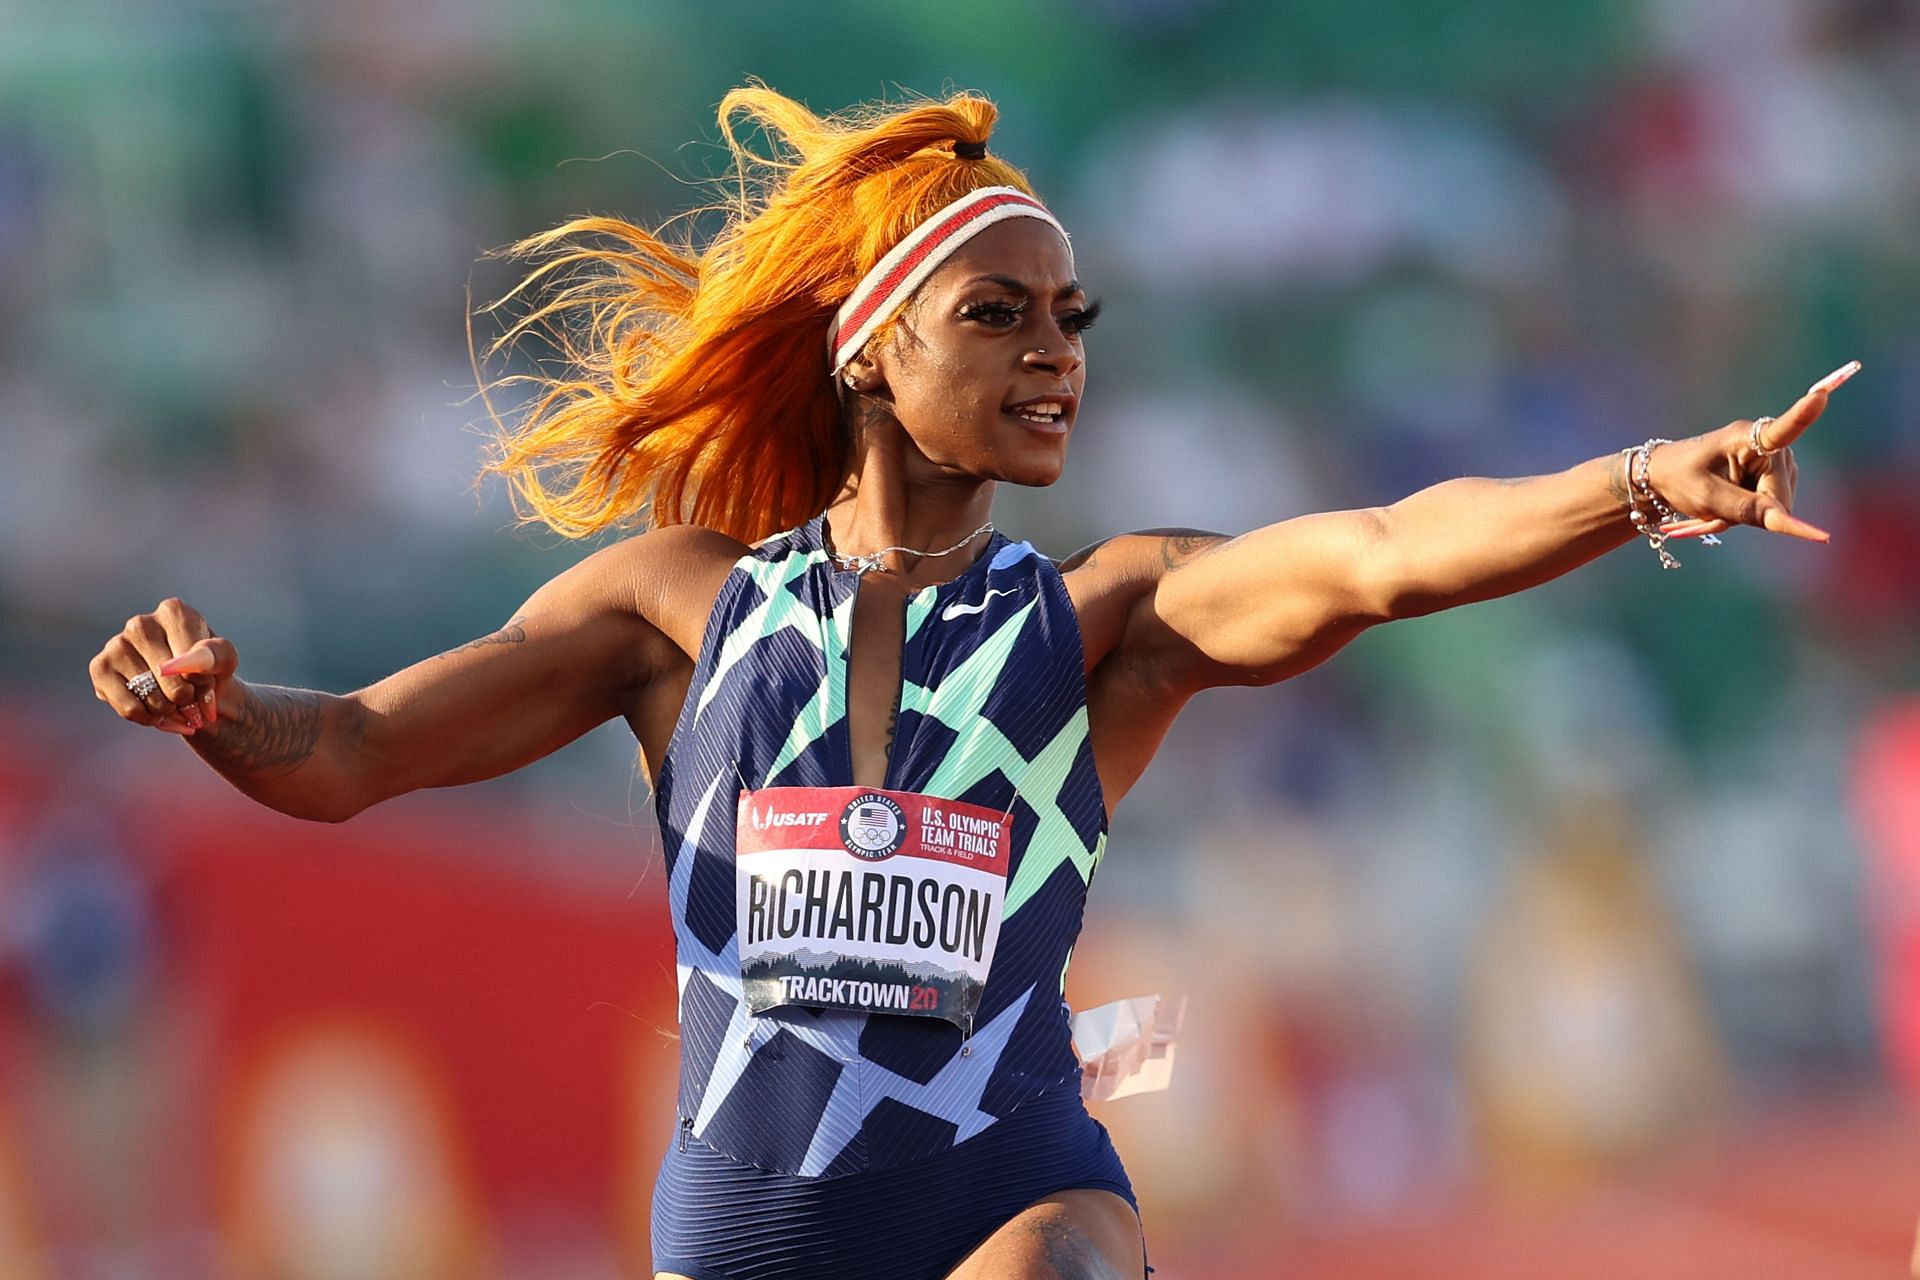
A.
pixel 894 497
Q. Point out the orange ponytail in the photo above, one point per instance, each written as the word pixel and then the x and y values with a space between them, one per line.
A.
pixel 697 387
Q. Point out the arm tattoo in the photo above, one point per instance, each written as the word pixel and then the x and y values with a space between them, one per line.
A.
pixel 512 633
pixel 276 736
pixel 1617 481
pixel 1178 547
pixel 1183 547
pixel 1083 558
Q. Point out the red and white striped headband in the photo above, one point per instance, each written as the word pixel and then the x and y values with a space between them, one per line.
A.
pixel 906 267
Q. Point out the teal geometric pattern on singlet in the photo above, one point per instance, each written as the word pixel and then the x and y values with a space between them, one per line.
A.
pixel 993 711
pixel 980 748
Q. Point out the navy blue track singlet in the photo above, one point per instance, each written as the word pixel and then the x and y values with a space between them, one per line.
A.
pixel 993 712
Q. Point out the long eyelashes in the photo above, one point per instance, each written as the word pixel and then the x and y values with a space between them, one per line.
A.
pixel 993 313
pixel 1006 314
pixel 1080 321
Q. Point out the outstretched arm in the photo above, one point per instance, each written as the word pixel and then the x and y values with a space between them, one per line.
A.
pixel 564 663
pixel 573 656
pixel 1269 604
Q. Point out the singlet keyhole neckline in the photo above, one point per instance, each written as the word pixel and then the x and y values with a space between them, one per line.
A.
pixel 924 600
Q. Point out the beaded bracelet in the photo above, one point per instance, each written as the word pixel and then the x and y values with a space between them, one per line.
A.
pixel 1638 458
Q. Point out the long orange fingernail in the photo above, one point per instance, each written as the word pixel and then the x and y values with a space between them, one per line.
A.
pixel 1834 380
pixel 193 661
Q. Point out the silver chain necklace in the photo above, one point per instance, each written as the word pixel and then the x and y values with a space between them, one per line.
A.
pixel 870 561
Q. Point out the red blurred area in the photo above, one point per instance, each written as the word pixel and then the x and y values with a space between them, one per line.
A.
pixel 422 1046
pixel 394 1019
pixel 1823 1191
pixel 518 994
pixel 1887 806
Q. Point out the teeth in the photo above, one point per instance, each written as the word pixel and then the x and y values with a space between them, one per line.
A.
pixel 1044 412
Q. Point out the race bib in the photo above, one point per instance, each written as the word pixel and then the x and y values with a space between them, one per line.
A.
pixel 878 901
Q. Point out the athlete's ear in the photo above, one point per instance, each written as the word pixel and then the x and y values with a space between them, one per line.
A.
pixel 862 375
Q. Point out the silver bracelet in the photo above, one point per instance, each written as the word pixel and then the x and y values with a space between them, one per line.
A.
pixel 1638 460
pixel 1648 522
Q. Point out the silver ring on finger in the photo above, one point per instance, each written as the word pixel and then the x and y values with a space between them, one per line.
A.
pixel 1753 437
pixel 144 685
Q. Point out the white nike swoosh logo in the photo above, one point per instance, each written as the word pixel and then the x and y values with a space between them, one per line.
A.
pixel 958 610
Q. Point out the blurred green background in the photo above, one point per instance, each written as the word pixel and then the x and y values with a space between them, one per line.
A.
pixel 1577 921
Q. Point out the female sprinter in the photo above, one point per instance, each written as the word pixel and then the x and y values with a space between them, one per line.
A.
pixel 885 739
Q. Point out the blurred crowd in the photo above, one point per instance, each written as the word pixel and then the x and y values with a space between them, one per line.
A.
pixel 1508 896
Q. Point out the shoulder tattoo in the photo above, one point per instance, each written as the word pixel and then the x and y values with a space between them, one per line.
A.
pixel 512 633
pixel 1177 547
pixel 1082 558
pixel 1181 547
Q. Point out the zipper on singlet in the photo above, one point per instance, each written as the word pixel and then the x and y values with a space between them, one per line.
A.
pixel 896 749
pixel 686 1132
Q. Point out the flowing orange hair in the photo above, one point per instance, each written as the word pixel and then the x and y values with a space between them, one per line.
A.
pixel 695 386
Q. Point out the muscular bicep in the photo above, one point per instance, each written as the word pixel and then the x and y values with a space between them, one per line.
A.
pixel 1168 612
pixel 568 659
pixel 1260 607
